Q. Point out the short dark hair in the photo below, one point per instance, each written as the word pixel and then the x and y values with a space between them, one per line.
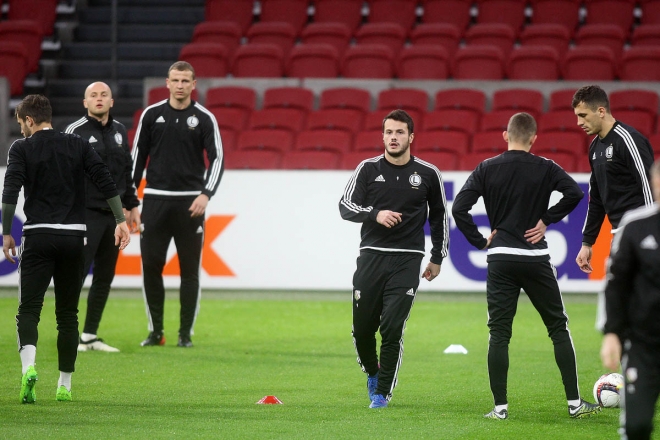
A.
pixel 593 97
pixel 37 107
pixel 401 116
pixel 521 128
pixel 181 66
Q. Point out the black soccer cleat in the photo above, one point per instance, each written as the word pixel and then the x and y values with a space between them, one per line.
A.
pixel 584 409
pixel 153 339
pixel 184 341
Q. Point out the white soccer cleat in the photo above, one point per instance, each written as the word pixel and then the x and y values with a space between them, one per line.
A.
pixel 96 345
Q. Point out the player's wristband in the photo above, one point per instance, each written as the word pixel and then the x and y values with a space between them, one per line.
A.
pixel 8 211
pixel 115 205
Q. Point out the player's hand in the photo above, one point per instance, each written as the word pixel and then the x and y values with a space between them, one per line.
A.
pixel 198 206
pixel 388 219
pixel 9 246
pixel 432 270
pixel 537 233
pixel 133 220
pixel 610 352
pixel 122 236
pixel 489 240
pixel 583 259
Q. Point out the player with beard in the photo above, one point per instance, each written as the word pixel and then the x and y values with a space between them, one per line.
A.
pixel 391 195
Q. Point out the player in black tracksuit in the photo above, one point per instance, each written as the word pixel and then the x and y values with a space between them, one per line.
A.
pixel 516 188
pixel 174 135
pixel 51 166
pixel 632 307
pixel 108 137
pixel 390 195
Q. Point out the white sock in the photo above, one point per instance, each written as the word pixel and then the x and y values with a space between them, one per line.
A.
pixel 65 379
pixel 86 337
pixel 28 355
pixel 574 403
pixel 499 408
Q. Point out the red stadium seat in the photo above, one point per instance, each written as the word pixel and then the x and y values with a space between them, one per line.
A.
pixel 583 165
pixel 490 142
pixel 559 120
pixel 392 35
pixel 348 12
pixel 533 63
pixel 511 12
pixel 650 12
pixel 131 136
pixel 43 12
pixel 392 11
pixel 137 114
pixel 258 60
pixel 324 140
pixel 313 61
pixel 346 119
pixel 563 12
pixel 289 97
pixel 291 119
pixel 562 100
pixel 466 121
pixel 228 138
pixel 368 61
pixel 496 120
pixel 461 99
pixel 654 140
pixel 618 12
pixel 637 100
pixel 470 161
pixel 369 141
pixel 281 34
pixel 311 160
pixel 157 94
pixel 646 34
pixel 644 122
pixel 640 64
pixel 478 62
pixel 253 160
pixel 518 100
pixel 436 141
pixel 346 98
pixel 231 118
pixel 455 12
pixel 596 63
pixel 374 120
pixel 350 161
pixel 293 12
pixel 610 35
pixel 565 160
pixel 555 142
pixel 209 59
pixel 554 35
pixel 423 62
pixel 443 160
pixel 445 35
pixel 227 33
pixel 265 140
pixel 241 97
pixel 406 99
pixel 338 35
pixel 29 34
pixel 238 11
pixel 491 34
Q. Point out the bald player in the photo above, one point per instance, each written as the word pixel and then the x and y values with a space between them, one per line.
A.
pixel 108 137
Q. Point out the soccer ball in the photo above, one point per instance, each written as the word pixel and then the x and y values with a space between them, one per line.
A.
pixel 607 390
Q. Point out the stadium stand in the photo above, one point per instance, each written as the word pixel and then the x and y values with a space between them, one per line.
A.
pixel 238 11
pixel 258 61
pixel 311 160
pixel 338 35
pixel 589 63
pixel 253 160
pixel 518 100
pixel 461 99
pixel 618 12
pixel 563 12
pixel 281 34
pixel 29 34
pixel 488 142
pixel 293 12
pixel 553 35
pixel 348 12
pixel 423 62
pixel 650 12
pixel 289 119
pixel 511 12
pixel 407 99
pixel 492 34
pixel 344 119
pixel 478 62
pixel 289 97
pixel 461 120
pixel 227 33
pixel 610 35
pixel 392 35
pixel 401 12
pixel 533 63
pixel 43 12
pixel 368 61
pixel 313 61
pixel 646 35
pixel 444 35
pixel 346 98
pixel 157 94
pixel 324 140
pixel 454 12
pixel 14 65
pixel 496 120
pixel 231 96
pixel 280 141
pixel 637 100
pixel 455 142
pixel 209 59
pixel 640 64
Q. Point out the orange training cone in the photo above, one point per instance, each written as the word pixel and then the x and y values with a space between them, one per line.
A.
pixel 270 400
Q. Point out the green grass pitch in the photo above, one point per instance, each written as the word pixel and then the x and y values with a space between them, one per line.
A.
pixel 298 347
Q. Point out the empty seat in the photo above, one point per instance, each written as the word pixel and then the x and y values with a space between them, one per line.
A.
pixel 238 11
pixel 465 121
pixel 554 35
pixel 478 62
pixel 350 160
pixel 368 61
pixel 253 160
pixel 406 99
pixel 43 12
pixel 281 34
pixel 461 99
pixel 490 142
pixel 291 119
pixel 496 120
pixel 646 35
pixel 470 161
pixel 227 33
pixel 596 63
pixel 519 100
pixel 345 98
pixel 374 120
pixel 29 34
pixel 565 160
pixel 208 59
pixel 436 141
pixel 348 12
pixel 642 121
pixel 392 35
pixel 446 35
pixel 650 12
pixel 311 160
pixel 265 140
pixel 313 61
pixel 157 94
pixel 455 12
pixel 258 60
pixel 369 141
pixel 231 118
pixel 564 12
pixel 338 35
pixel 229 138
pixel 637 100
pixel 609 35
pixel 324 140
pixel 231 96
pixel 511 12
pixel 640 64
pixel 443 160
pixel 491 34
pixel 289 97
pixel 562 100
pixel 423 62
pixel 559 120
pixel 533 63
pixel 554 142
pixel 293 12
pixel 346 119
pixel 392 11
pixel 618 12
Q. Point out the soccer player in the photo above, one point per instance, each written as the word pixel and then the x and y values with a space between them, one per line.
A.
pixel 516 188
pixel 108 138
pixel 391 195
pixel 173 136
pixel 632 307
pixel 51 167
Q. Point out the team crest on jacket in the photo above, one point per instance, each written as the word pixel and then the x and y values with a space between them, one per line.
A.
pixel 609 152
pixel 118 139
pixel 192 121
pixel 415 179
pixel 357 295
